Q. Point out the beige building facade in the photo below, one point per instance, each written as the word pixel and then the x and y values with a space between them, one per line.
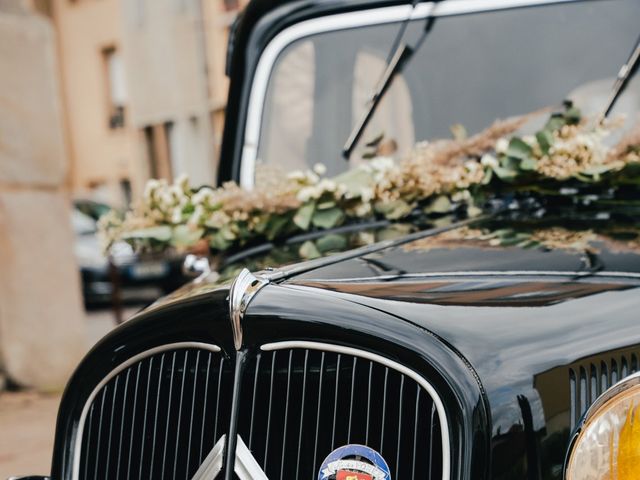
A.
pixel 42 329
pixel 143 90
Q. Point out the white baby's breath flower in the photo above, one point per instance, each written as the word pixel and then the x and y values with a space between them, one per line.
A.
pixel 327 185
pixel 320 169
pixel 296 175
pixel 307 193
pixel 176 215
pixel 312 178
pixel 217 219
pixel 363 210
pixel 382 164
pixel 196 216
pixel 203 196
pixel 461 196
pixel 502 145
pixel 471 165
pixel 489 160
pixel 182 182
pixel 366 194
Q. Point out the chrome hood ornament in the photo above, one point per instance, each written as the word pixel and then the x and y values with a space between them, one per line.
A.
pixel 243 289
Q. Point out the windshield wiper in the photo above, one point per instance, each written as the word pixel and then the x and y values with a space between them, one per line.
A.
pixel 402 53
pixel 624 75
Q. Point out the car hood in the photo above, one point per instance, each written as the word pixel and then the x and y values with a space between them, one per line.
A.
pixel 517 298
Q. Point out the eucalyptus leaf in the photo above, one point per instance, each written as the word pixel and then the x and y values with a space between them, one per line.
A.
pixel 354 181
pixel 519 149
pixel 161 233
pixel 528 164
pixel 303 216
pixel 275 226
pixel 309 251
pixel 394 210
pixel 219 242
pixel 331 242
pixel 327 218
pixel 185 236
pixel 505 174
pixel 545 140
pixel 441 204
pixel 375 141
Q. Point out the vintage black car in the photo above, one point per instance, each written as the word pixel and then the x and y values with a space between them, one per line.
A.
pixel 476 349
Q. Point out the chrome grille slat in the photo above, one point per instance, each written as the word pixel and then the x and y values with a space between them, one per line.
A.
pixel 97 462
pixel 590 378
pixel 319 402
pixel 166 432
pixel 337 383
pixel 399 425
pixel 146 410
pixel 302 403
pixel 335 403
pixel 155 420
pixel 206 402
pixel 253 403
pixel 415 432
pixel 130 434
pixel 286 415
pixel 86 466
pixel 266 445
pixel 109 443
pixel 353 379
pixel 124 407
pixel 133 421
pixel 193 406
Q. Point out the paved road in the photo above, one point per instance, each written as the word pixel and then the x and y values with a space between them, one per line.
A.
pixel 27 419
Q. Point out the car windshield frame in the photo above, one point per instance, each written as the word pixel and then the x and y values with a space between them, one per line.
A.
pixel 335 22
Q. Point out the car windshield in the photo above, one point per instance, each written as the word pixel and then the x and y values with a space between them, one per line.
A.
pixel 473 68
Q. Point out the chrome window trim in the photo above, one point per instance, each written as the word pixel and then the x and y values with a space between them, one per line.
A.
pixel 490 274
pixel 338 22
pixel 328 347
pixel 612 392
pixel 75 473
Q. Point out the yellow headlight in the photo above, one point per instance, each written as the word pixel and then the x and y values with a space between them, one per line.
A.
pixel 607 446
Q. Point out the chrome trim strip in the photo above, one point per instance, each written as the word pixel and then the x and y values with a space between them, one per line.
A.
pixel 212 464
pixel 481 273
pixel 341 22
pixel 327 347
pixel 283 273
pixel 246 466
pixel 242 291
pixel 623 385
pixel 75 473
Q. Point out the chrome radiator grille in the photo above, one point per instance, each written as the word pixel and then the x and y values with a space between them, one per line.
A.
pixel 158 418
pixel 298 405
pixel 589 379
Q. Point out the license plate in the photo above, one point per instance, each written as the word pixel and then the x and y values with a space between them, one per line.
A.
pixel 149 270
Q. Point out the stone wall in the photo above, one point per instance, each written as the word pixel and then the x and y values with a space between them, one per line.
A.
pixel 42 329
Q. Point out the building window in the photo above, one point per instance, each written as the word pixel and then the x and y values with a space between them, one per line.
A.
pixel 231 5
pixel 116 87
pixel 157 139
pixel 43 7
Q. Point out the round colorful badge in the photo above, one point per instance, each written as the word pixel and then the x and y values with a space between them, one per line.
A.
pixel 354 462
